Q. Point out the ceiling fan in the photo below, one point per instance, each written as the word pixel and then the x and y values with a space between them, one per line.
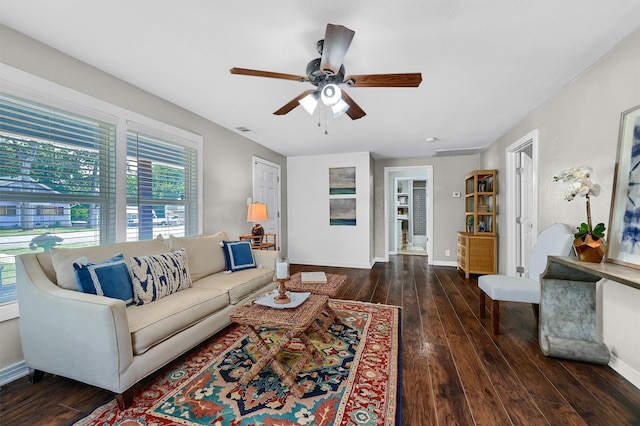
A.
pixel 327 74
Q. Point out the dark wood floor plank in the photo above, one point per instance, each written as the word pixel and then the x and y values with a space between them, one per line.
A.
pixel 604 391
pixel 454 371
pixel 431 323
pixel 520 405
pixel 486 407
pixel 584 403
pixel 451 402
pixel 417 396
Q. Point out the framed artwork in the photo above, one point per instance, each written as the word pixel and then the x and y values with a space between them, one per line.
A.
pixel 342 211
pixel 342 181
pixel 624 222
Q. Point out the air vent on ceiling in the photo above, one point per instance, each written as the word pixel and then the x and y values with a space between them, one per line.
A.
pixel 456 152
pixel 243 129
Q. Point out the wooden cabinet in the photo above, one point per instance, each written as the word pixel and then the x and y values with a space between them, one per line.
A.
pixel 478 243
pixel 477 253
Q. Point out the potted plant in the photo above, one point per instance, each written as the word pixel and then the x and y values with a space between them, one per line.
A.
pixel 589 242
pixel 470 224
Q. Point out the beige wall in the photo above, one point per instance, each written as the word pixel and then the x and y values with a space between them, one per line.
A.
pixel 448 212
pixel 579 126
pixel 227 155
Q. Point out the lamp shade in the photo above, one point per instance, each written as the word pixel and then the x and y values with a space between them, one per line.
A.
pixel 330 94
pixel 340 108
pixel 257 212
pixel 310 102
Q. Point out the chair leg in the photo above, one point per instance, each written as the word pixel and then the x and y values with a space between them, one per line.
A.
pixel 495 317
pixel 536 312
pixel 482 305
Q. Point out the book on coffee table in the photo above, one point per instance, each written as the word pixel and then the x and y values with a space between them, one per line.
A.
pixel 313 278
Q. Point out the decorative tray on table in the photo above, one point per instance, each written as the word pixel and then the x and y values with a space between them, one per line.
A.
pixel 297 298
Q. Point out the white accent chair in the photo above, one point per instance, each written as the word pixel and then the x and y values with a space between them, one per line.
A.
pixel 556 240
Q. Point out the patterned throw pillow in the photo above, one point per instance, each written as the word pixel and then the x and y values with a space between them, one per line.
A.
pixel 109 278
pixel 157 276
pixel 238 255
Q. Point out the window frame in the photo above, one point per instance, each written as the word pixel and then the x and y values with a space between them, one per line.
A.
pixel 32 88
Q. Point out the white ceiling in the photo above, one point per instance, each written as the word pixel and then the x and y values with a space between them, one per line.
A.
pixel 485 64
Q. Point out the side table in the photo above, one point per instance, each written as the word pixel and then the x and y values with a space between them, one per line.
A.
pixel 294 322
pixel 330 288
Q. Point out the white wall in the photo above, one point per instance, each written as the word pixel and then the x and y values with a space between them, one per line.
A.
pixel 579 126
pixel 312 240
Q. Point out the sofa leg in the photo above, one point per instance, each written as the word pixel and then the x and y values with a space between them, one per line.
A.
pixel 35 375
pixel 125 399
pixel 482 305
pixel 495 317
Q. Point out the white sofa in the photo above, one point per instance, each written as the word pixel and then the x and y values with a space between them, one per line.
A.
pixel 99 340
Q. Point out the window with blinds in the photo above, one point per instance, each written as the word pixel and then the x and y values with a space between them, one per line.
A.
pixel 57 182
pixel 161 187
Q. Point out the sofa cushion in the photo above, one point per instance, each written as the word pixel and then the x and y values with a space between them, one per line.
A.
pixel 155 322
pixel 238 255
pixel 109 278
pixel 239 284
pixel 159 275
pixel 63 258
pixel 203 251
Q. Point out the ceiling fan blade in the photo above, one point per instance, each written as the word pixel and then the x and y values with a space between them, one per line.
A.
pixel 286 108
pixel 385 80
pixel 336 43
pixel 269 74
pixel 354 110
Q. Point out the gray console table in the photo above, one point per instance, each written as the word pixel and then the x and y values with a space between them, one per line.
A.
pixel 568 307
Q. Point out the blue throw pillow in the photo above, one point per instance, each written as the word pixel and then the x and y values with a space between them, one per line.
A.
pixel 238 255
pixel 109 278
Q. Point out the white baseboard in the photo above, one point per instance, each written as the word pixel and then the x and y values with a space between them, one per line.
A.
pixel 626 371
pixel 13 372
pixel 334 264
pixel 445 263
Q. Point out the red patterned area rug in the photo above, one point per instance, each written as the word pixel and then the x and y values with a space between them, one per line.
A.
pixel 357 384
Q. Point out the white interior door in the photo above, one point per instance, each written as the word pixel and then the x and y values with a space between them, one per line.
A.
pixel 266 189
pixel 525 209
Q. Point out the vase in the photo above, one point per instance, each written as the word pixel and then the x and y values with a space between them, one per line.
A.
pixel 589 250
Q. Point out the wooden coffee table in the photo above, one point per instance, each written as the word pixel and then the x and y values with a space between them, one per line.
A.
pixel 330 288
pixel 295 322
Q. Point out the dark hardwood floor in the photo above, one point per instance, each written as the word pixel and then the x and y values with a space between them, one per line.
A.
pixel 453 370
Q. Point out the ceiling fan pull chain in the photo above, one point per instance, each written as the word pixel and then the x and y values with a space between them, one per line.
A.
pixel 326 121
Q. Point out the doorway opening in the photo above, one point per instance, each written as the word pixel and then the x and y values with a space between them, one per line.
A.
pixel 408 210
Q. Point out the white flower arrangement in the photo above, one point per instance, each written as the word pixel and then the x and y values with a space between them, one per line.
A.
pixel 580 183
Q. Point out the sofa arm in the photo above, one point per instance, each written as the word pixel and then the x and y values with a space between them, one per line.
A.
pixel 266 258
pixel 73 334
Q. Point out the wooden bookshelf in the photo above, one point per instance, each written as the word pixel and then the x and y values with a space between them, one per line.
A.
pixel 478 243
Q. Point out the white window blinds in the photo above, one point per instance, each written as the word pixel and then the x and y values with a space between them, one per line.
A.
pixel 57 182
pixel 161 187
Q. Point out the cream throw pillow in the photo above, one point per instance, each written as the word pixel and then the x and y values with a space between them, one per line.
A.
pixel 203 251
pixel 63 258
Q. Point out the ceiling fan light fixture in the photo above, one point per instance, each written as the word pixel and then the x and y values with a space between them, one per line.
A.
pixel 331 94
pixel 340 108
pixel 309 102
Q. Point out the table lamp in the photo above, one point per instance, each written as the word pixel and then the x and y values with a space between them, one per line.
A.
pixel 257 212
